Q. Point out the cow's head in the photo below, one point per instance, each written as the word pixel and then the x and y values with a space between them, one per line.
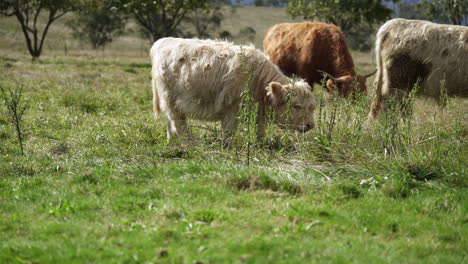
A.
pixel 347 84
pixel 293 104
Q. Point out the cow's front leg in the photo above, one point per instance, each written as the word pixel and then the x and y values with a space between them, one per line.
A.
pixel 261 122
pixel 229 124
pixel 176 125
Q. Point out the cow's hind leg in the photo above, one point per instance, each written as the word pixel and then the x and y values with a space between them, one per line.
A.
pixel 156 107
pixel 176 121
pixel 407 74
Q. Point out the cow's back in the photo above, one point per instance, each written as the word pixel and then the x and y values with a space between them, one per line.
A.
pixel 192 63
pixel 414 49
pixel 304 48
pixel 203 78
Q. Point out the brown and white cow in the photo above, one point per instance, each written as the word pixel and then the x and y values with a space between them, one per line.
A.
pixel 408 50
pixel 204 80
pixel 310 48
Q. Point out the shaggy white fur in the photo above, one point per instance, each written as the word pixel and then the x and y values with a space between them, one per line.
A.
pixel 204 79
pixel 411 49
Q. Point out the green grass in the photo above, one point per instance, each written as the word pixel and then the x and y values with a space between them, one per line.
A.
pixel 99 183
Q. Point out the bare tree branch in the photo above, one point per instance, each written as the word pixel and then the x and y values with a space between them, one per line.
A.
pixel 25 11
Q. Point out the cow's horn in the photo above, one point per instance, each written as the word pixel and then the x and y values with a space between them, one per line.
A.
pixel 329 75
pixel 369 74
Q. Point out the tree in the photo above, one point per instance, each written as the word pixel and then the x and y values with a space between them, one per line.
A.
pixel 161 18
pixel 352 16
pixel 281 3
pixel 446 11
pixel 410 11
pixel 206 20
pixel 98 22
pixel 28 12
pixel 16 106
pixel 345 14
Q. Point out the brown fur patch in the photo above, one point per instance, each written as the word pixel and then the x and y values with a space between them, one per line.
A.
pixel 302 49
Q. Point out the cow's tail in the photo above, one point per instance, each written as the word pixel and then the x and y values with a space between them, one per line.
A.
pixel 156 107
pixel 378 96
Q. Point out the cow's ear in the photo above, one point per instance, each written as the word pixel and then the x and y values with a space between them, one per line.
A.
pixel 331 85
pixel 275 93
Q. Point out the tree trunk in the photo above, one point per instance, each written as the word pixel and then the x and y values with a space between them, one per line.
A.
pixel 35 48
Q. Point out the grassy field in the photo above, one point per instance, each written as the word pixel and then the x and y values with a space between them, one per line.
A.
pixel 99 183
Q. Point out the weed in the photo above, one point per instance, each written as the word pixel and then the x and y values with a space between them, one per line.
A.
pixel 389 127
pixel 248 109
pixel 16 107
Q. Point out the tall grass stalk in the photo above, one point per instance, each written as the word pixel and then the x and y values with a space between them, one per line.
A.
pixel 248 110
pixel 326 122
pixel 408 114
pixel 397 123
pixel 16 107
pixel 359 105
pixel 389 126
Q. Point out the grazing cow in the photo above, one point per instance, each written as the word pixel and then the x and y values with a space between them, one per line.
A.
pixel 204 80
pixel 311 48
pixel 412 50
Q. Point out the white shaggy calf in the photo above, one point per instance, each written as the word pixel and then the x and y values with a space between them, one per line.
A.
pixel 204 79
pixel 408 50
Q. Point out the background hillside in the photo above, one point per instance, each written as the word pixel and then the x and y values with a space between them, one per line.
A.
pixel 60 41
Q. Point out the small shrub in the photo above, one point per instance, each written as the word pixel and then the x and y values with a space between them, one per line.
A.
pixel 16 107
pixel 97 24
pixel 247 114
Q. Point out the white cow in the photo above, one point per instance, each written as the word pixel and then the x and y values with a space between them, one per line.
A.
pixel 204 79
pixel 408 50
